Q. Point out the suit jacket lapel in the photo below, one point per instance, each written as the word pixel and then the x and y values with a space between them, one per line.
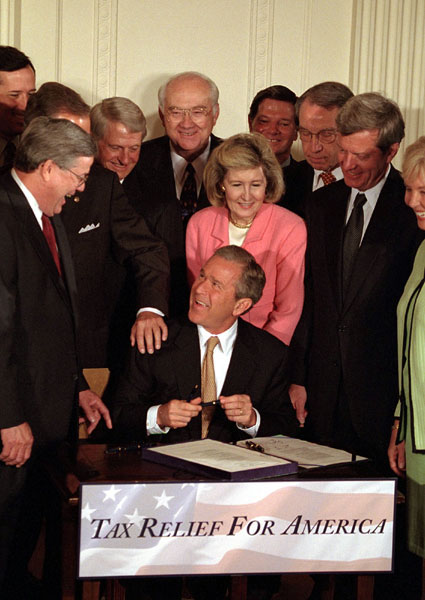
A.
pixel 242 368
pixel 334 225
pixel 187 368
pixel 34 233
pixel 374 244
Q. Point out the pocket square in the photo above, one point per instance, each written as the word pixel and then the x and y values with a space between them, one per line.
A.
pixel 89 228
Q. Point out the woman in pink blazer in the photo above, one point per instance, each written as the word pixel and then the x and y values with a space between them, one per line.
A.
pixel 243 180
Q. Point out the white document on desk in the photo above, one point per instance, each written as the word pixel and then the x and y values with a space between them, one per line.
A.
pixel 306 454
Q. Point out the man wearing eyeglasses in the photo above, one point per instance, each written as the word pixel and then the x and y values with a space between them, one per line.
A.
pixel 39 367
pixel 362 240
pixel 317 109
pixel 168 176
pixel 107 238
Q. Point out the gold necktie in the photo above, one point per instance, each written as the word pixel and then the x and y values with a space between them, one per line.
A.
pixel 209 393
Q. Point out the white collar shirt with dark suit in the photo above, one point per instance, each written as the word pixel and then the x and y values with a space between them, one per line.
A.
pixel 258 367
pixel 151 188
pixel 347 346
pixel 111 242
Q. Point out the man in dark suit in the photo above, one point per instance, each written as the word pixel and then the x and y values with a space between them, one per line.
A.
pixel 39 367
pixel 362 240
pixel 249 364
pixel 160 395
pixel 166 186
pixel 17 83
pixel 317 109
pixel 105 232
pixel 272 113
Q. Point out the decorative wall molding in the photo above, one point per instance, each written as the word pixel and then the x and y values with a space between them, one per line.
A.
pixel 105 45
pixel 260 46
pixel 388 55
pixel 8 30
pixel 306 47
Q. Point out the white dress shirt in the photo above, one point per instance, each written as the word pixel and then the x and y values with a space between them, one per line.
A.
pixel 30 198
pixel 372 196
pixel 180 164
pixel 221 358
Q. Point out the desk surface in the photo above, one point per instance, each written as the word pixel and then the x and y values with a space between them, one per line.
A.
pixel 92 464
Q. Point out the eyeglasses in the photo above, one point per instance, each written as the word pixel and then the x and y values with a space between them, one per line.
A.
pixel 326 136
pixel 197 114
pixel 81 178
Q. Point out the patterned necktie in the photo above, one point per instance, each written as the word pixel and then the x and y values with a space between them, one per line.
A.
pixel 327 177
pixel 189 194
pixel 49 234
pixel 208 389
pixel 352 236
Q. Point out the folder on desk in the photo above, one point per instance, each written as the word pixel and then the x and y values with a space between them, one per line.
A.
pixel 219 460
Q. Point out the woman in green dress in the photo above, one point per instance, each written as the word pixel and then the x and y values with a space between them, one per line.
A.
pixel 407 446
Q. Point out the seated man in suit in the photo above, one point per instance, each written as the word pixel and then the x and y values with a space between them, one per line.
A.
pixel 17 83
pixel 166 186
pixel 104 230
pixel 249 365
pixel 362 241
pixel 212 355
pixel 317 109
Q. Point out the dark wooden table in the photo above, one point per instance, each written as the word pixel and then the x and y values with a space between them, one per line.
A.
pixel 92 464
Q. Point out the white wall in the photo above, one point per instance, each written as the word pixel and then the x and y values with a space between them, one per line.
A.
pixel 129 47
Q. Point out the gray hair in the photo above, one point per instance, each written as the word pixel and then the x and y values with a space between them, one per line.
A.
pixel 372 111
pixel 119 110
pixel 58 140
pixel 327 95
pixel 252 280
pixel 214 93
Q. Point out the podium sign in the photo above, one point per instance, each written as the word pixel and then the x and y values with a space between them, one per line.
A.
pixel 135 529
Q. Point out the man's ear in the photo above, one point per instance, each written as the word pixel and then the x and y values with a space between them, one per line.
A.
pixel 241 306
pixel 392 152
pixel 161 116
pixel 46 169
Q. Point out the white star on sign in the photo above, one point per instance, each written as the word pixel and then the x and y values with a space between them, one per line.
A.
pixel 87 511
pixel 110 494
pixel 135 517
pixel 163 500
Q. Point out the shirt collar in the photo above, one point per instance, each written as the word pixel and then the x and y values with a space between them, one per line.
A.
pixel 30 198
pixel 336 172
pixel 372 194
pixel 226 338
pixel 180 163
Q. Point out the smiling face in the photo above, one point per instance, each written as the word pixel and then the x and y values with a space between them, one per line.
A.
pixel 415 198
pixel 213 302
pixel 59 183
pixel 15 89
pixel 315 118
pixel 119 149
pixel 362 162
pixel 189 138
pixel 275 120
pixel 245 192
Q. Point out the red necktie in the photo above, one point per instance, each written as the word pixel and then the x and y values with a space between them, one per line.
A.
pixel 49 234
pixel 327 177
